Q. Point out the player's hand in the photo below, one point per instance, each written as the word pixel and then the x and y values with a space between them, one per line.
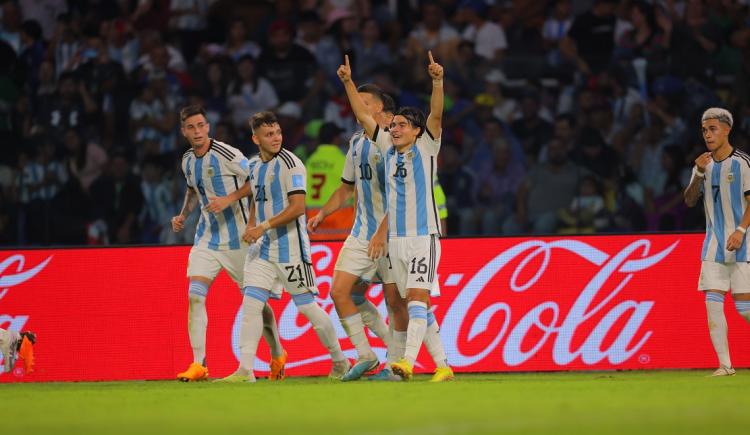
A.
pixel 434 68
pixel 312 224
pixel 702 161
pixel 377 247
pixel 217 205
pixel 735 240
pixel 345 71
pixel 252 234
pixel 178 222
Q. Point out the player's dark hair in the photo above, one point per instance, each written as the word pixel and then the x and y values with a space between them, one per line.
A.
pixel 262 118
pixel 191 110
pixel 388 104
pixel 415 117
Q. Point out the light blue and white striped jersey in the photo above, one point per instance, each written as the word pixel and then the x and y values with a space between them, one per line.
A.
pixel 412 210
pixel 724 188
pixel 365 169
pixel 219 172
pixel 272 183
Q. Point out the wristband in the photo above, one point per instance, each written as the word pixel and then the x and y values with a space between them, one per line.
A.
pixel 700 173
pixel 742 230
pixel 266 226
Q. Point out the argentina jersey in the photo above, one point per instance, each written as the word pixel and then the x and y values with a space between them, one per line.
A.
pixel 219 172
pixel 365 169
pixel 724 188
pixel 272 182
pixel 409 186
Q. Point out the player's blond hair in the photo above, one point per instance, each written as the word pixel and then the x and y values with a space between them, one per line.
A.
pixel 722 115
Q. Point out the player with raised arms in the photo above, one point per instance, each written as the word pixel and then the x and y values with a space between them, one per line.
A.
pixel 410 148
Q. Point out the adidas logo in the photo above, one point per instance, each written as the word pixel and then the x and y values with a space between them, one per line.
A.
pixel 300 285
pixel 420 279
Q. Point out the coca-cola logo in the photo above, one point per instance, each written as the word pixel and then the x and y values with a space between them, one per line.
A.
pixel 615 317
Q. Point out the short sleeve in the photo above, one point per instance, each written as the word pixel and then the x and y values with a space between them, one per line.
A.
pixel 382 140
pixel 348 174
pixel 427 141
pixel 239 166
pixel 186 170
pixel 295 179
pixel 745 174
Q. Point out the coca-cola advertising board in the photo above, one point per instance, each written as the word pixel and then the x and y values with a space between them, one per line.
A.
pixel 507 304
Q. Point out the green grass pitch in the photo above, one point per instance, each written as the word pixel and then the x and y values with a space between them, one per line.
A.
pixel 678 402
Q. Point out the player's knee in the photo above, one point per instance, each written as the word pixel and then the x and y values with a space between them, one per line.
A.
pixel 303 299
pixel 417 310
pixel 715 297
pixel 198 288
pixel 257 293
pixel 358 298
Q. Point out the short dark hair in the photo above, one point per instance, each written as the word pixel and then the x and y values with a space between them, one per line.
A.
pixel 191 110
pixel 262 118
pixel 388 104
pixel 415 117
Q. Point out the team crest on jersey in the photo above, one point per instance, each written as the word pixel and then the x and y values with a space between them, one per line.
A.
pixel 730 177
pixel 376 158
pixel 210 171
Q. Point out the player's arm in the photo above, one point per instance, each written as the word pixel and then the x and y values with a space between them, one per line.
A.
pixel 295 209
pixel 377 246
pixel 435 118
pixel 188 205
pixel 217 205
pixel 693 191
pixel 358 106
pixel 338 199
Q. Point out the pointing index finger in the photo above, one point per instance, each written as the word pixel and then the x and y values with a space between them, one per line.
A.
pixel 432 60
pixel 346 60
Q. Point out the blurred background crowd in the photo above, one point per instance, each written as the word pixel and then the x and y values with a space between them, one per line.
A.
pixel 568 116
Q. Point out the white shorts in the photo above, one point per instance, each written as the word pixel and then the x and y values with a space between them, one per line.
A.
pixel 353 258
pixel 295 278
pixel 725 276
pixel 415 262
pixel 208 263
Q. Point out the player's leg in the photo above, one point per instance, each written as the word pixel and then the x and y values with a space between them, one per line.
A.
pixel 234 263
pixel 370 314
pixel 714 281
pixel 15 345
pixel 740 283
pixel 203 266
pixel 299 281
pixel 398 322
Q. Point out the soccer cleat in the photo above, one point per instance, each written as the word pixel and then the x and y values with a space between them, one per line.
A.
pixel 277 368
pixel 26 350
pixel 194 373
pixel 339 369
pixel 403 368
pixel 359 368
pixel 236 378
pixel 723 371
pixel 442 374
pixel 385 375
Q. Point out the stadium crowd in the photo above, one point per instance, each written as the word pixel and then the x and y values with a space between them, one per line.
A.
pixel 568 116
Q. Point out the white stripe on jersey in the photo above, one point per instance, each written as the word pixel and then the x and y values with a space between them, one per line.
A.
pixel 365 168
pixel 412 210
pixel 724 188
pixel 271 184
pixel 219 172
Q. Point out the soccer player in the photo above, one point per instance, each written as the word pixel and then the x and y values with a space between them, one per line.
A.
pixel 360 259
pixel 410 148
pixel 215 169
pixel 277 184
pixel 722 176
pixel 14 345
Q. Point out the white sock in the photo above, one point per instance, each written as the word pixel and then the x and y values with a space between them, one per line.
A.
pixel 6 338
pixel 434 343
pixel 717 327
pixel 197 324
pixel 399 347
pixel 356 332
pixel 324 328
pixel 374 321
pixel 743 307
pixel 416 330
pixel 271 332
pixel 251 329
